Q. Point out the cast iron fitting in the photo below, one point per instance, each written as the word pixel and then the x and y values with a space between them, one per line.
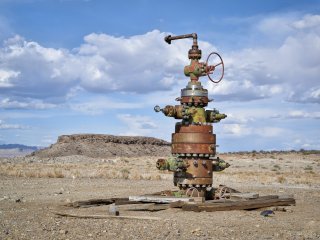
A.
pixel 219 165
pixel 157 108
pixel 171 164
pixel 194 36
pixel 194 53
pixel 171 111
pixel 214 116
pixel 195 163
pixel 161 164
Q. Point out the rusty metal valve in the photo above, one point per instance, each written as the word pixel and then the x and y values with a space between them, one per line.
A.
pixel 197 69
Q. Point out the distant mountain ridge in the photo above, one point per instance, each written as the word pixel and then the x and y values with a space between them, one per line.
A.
pixel 19 146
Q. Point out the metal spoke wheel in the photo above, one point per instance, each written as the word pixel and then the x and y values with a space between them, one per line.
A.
pixel 210 69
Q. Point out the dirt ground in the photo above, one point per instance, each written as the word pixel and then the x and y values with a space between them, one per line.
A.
pixel 31 188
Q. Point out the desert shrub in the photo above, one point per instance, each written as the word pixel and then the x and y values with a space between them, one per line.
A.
pixel 308 168
pixel 125 173
pixel 281 179
pixel 276 166
pixel 58 173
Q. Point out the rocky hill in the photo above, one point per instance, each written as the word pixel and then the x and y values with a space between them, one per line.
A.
pixel 101 146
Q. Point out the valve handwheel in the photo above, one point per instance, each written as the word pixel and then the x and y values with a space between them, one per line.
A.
pixel 211 68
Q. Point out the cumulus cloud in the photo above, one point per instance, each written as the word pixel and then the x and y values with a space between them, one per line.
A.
pixel 102 64
pixel 290 69
pixel 30 70
pixel 39 75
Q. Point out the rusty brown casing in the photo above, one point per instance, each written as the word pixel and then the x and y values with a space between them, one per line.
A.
pixel 195 100
pixel 193 139
pixel 183 128
pixel 199 172
pixel 193 143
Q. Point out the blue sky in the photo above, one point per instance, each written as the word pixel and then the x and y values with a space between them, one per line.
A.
pixel 74 66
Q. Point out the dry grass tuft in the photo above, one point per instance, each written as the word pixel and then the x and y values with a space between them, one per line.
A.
pixel 281 179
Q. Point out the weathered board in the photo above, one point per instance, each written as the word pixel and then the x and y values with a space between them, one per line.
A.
pixel 99 202
pixel 159 199
pixel 239 205
pixel 63 214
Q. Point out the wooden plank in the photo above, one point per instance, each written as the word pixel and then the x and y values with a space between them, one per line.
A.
pixel 125 202
pixel 198 199
pixel 98 202
pixel 238 205
pixel 220 201
pixel 143 207
pixel 267 197
pixel 158 199
pixel 61 214
pixel 286 196
pixel 244 195
pixel 90 203
pixel 177 204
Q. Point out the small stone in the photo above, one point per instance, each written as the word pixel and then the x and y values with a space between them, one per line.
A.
pixel 195 230
pixel 4 198
pixel 63 231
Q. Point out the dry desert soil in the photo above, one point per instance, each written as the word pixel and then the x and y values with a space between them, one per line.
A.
pixel 33 187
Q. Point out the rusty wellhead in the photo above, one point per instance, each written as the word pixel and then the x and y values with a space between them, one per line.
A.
pixel 193 149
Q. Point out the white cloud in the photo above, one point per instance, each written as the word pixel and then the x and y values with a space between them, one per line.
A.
pixel 236 118
pixel 7 103
pixel 97 106
pixel 236 130
pixel 34 76
pixel 102 64
pixel 243 130
pixel 242 91
pixel 137 125
pixel 303 114
pixel 297 114
pixel 290 68
pixel 5 77
pixel 37 67
pixel 4 125
pixel 308 21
